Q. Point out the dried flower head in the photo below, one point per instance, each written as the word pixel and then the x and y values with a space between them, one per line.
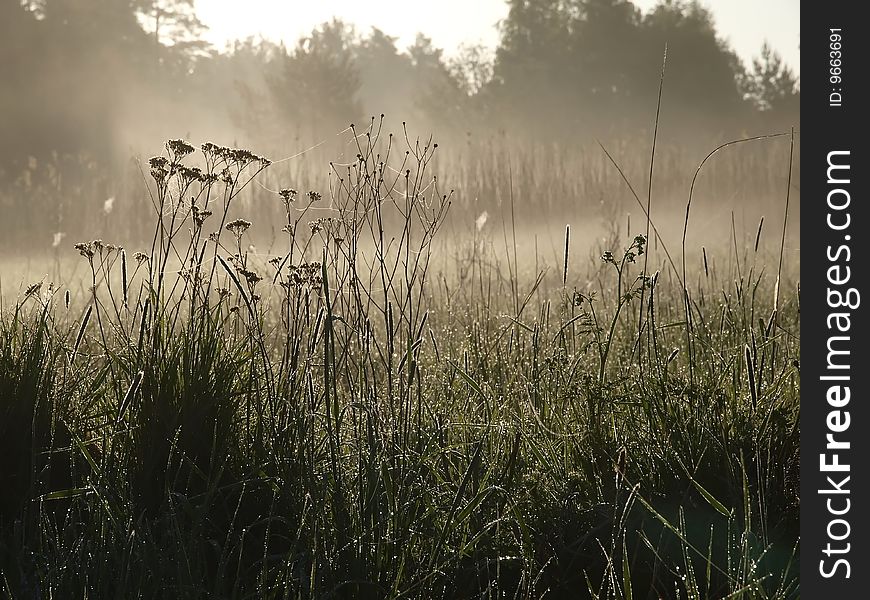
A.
pixel 209 149
pixel 238 227
pixel 159 168
pixel 640 243
pixel 335 229
pixel 190 175
pixel 238 157
pixel 86 249
pixel 304 276
pixel 250 276
pixel 179 148
pixel 287 196
pixel 33 289
pixel 158 162
pixel 199 216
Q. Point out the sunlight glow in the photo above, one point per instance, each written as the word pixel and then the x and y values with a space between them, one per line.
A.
pixel 451 23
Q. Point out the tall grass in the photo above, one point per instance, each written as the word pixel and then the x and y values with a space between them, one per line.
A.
pixel 338 419
pixel 549 182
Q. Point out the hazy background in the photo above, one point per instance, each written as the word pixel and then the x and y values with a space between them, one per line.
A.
pixel 518 94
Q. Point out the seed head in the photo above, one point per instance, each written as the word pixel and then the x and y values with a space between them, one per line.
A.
pixel 199 216
pixel 86 249
pixel 158 162
pixel 250 276
pixel 189 175
pixel 179 148
pixel 33 289
pixel 238 227
pixel 159 170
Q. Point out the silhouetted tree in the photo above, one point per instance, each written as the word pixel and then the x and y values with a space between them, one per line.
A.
pixel 532 74
pixel 386 76
pixel 438 94
pixel 22 49
pixel 240 78
pixel 569 65
pixel 772 87
pixel 82 67
pixel 316 85
pixel 703 73
pixel 472 68
pixel 172 23
pixel 95 75
pixel 86 50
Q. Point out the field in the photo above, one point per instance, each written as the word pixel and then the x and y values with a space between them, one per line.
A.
pixel 442 373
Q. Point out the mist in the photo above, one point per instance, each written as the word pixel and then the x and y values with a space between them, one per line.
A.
pixel 348 317
pixel 95 88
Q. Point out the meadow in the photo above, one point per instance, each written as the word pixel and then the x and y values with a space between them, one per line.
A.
pixel 423 373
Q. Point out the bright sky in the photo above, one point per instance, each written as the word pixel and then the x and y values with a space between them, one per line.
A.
pixel 746 24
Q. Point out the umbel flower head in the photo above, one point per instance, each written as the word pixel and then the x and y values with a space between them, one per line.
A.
pixel 238 227
pixel 190 174
pixel 199 216
pixel 86 249
pixel 233 156
pixel 250 276
pixel 288 195
pixel 304 276
pixel 159 170
pixel 179 148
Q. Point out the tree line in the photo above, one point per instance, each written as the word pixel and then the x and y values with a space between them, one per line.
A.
pixel 94 76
